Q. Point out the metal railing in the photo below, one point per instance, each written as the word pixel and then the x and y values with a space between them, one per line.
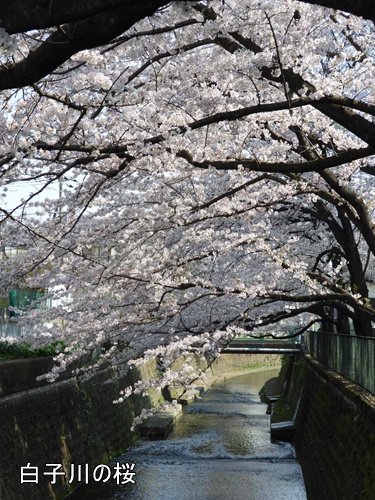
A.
pixel 351 356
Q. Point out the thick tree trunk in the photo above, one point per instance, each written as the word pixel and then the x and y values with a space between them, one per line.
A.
pixel 363 326
pixel 343 324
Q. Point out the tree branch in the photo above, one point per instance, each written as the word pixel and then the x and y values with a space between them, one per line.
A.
pixel 88 33
pixel 282 167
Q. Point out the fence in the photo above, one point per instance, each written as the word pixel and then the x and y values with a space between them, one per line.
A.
pixel 351 356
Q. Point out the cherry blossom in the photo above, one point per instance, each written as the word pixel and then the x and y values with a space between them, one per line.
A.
pixel 204 170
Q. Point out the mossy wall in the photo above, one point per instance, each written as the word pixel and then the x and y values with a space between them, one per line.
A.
pixel 335 436
pixel 67 422
pixel 227 363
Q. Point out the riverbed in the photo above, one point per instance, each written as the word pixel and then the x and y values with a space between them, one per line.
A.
pixel 220 449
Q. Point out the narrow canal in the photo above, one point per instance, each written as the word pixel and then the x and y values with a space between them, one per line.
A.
pixel 220 450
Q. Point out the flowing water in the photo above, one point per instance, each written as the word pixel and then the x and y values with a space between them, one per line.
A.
pixel 220 450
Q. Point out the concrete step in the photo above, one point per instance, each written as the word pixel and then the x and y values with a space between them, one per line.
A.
pixel 161 423
pixel 191 395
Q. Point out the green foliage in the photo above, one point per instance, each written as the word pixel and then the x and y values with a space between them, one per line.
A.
pixel 21 350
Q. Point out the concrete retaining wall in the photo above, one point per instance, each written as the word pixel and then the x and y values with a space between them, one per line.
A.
pixel 335 435
pixel 21 374
pixel 231 363
pixel 67 422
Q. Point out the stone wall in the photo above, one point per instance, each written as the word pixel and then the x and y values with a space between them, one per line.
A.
pixel 335 435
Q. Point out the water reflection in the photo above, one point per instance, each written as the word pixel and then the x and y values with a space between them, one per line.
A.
pixel 220 449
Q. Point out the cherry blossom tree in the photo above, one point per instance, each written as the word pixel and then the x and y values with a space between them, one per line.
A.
pixel 189 171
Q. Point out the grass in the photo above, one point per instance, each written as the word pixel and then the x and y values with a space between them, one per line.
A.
pixel 23 350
